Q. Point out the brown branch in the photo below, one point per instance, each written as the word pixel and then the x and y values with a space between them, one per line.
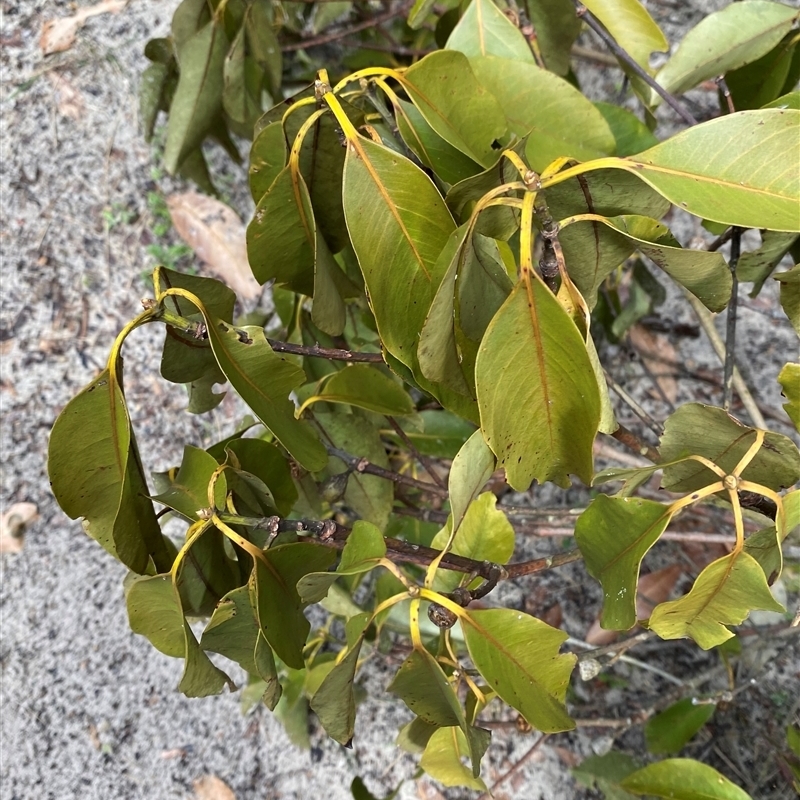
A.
pixel 516 768
pixel 623 55
pixel 331 353
pixel 730 326
pixel 325 38
pixel 363 465
pixel 635 444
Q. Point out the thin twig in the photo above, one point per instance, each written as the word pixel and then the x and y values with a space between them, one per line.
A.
pixel 331 353
pixel 726 93
pixel 730 327
pixel 364 465
pixel 516 768
pixel 634 406
pixel 423 460
pixel 707 323
pixel 622 55
pixel 542 564
pixel 593 55
pixel 325 38
pixel 634 443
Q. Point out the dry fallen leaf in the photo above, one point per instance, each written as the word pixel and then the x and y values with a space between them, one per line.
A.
pixel 69 100
pixel 217 235
pixel 59 34
pixel 653 588
pixel 210 787
pixel 12 526
pixel 655 349
pixel 427 791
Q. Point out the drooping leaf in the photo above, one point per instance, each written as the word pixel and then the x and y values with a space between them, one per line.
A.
pixel 188 492
pixel 669 730
pixel 154 611
pixel 790 295
pixel 472 468
pixel 334 702
pixel 557 119
pixel 632 27
pixel 446 92
pixel 697 429
pixel 264 380
pixel 369 496
pixel 682 779
pixel 484 30
pixel 241 95
pixel 725 40
pixel 151 87
pixel 614 534
pixel 732 169
pixel 198 97
pixel 757 265
pixel 630 133
pixel 538 397
pixel 605 772
pixel 485 534
pixel 267 159
pixel 266 462
pixel 789 379
pixel 367 387
pixel 398 224
pixel 705 274
pixel 96 473
pixel 442 758
pixel 365 546
pixel 725 593
pixel 263 45
pixel 556 27
pixel 518 657
pixel 442 435
pixel 449 163
pixel 279 606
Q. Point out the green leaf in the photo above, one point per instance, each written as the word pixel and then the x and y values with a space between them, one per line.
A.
pixel 267 159
pixel 280 608
pixel 189 17
pixel 484 30
pixel 557 119
pixel 442 758
pixel 632 27
pixel 151 88
pixel 188 492
pixel 682 779
pixel 263 45
pixel 264 381
pixel 757 265
pixel 790 100
pixel 704 274
pixel 419 11
pixel 234 632
pixel 789 379
pixel 445 90
pixel 790 295
pixel 725 593
pixel 265 461
pixel 518 657
pixel 198 98
pixel 722 41
pixel 242 87
pixel 365 546
pixel 630 133
pixel 538 397
pixel 605 772
pixel 485 534
pixel 670 730
pixel 472 467
pixel 292 709
pixel 762 81
pixel 414 737
pixel 366 387
pixel 281 237
pixel 334 702
pixel 422 685
pixel 614 534
pixel 556 26
pixel 398 224
pixel 697 429
pixel 449 163
pixel 369 496
pixel 96 473
pixel 154 611
pixel 442 434
pixel 764 547
pixel 731 169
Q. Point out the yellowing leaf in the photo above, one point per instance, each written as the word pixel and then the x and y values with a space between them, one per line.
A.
pixel 217 235
pixel 725 592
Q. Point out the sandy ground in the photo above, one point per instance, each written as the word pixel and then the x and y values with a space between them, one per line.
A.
pixel 88 709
